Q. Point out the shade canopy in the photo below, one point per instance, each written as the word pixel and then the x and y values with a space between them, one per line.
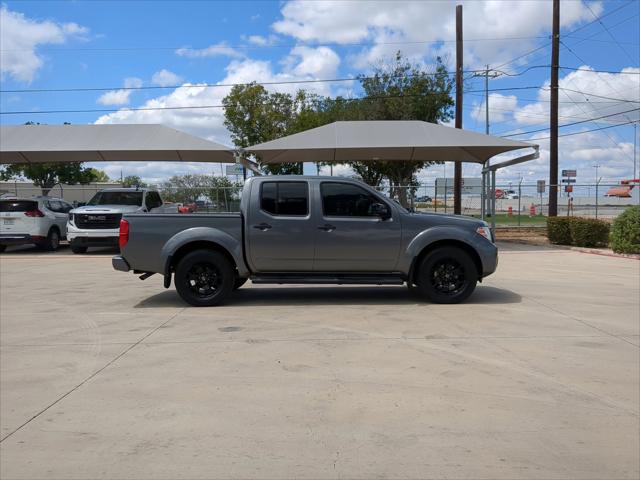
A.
pixel 112 143
pixel 400 140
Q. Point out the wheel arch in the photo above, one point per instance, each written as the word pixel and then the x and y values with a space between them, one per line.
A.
pixel 469 249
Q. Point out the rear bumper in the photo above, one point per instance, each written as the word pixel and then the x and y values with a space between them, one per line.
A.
pixel 19 239
pixel 120 264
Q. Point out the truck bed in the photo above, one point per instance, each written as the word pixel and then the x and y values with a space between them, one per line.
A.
pixel 149 234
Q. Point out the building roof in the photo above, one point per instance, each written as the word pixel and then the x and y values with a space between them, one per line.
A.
pixel 400 140
pixel 112 143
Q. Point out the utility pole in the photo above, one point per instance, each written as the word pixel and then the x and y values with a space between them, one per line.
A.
pixel 596 166
pixel 457 172
pixel 553 122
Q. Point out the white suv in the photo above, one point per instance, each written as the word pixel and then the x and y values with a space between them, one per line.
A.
pixel 39 220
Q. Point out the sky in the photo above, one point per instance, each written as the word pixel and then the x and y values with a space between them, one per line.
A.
pixel 114 57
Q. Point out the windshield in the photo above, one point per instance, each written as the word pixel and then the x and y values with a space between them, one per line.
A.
pixel 117 198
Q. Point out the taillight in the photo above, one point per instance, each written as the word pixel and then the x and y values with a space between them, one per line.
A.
pixel 34 213
pixel 124 233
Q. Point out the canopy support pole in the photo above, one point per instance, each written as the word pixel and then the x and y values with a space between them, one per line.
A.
pixel 240 157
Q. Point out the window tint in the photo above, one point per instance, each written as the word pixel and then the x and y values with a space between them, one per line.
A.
pixel 54 206
pixel 344 200
pixel 117 198
pixel 285 198
pixel 17 205
pixel 153 200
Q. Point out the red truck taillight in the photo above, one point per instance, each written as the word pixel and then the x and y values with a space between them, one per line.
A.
pixel 124 233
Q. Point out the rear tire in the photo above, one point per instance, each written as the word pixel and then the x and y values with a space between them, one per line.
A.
pixel 78 249
pixel 204 278
pixel 2 248
pixel 446 275
pixel 52 242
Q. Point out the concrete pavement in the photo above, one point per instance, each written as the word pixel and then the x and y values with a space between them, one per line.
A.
pixel 105 376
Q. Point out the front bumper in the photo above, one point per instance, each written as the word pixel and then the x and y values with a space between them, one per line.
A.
pixel 19 239
pixel 92 238
pixel 120 264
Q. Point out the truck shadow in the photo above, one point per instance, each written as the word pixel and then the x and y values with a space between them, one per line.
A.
pixel 343 295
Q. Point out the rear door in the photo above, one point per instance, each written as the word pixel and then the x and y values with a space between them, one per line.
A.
pixel 279 230
pixel 60 211
pixel 18 217
pixel 350 236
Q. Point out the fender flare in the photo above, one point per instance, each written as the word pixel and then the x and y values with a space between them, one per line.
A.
pixel 203 234
pixel 436 234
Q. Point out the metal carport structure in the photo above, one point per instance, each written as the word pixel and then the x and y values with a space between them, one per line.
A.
pixel 24 144
pixel 393 140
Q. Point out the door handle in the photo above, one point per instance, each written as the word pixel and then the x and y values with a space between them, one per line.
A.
pixel 327 227
pixel 263 226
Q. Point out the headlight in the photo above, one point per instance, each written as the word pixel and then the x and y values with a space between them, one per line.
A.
pixel 485 232
pixel 71 218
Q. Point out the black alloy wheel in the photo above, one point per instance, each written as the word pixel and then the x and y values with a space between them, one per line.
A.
pixel 447 275
pixel 204 278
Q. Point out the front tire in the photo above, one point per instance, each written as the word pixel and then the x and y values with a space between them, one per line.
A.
pixel 204 278
pixel 78 249
pixel 446 275
pixel 2 248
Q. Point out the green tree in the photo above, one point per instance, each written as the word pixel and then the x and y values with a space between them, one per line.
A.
pixel 400 90
pixel 47 175
pixel 184 188
pixel 253 115
pixel 99 175
pixel 133 181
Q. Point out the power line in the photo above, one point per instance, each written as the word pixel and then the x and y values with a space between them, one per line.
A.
pixel 197 107
pixel 585 131
pixel 577 123
pixel 609 32
pixel 283 82
pixel 526 54
pixel 587 94
pixel 258 46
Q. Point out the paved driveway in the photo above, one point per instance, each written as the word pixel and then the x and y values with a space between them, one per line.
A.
pixel 105 376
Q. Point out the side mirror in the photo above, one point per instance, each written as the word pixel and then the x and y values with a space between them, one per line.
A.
pixel 381 210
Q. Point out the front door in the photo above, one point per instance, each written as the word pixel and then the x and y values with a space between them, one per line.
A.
pixel 279 228
pixel 351 235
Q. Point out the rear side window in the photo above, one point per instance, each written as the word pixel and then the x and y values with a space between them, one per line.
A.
pixel 285 198
pixel 17 205
pixel 153 200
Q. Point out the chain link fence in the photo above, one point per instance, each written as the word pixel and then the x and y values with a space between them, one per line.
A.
pixel 516 204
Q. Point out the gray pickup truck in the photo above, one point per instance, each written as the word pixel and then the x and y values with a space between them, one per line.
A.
pixel 309 230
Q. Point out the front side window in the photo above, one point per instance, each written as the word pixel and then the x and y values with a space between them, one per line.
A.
pixel 345 200
pixel 117 198
pixel 285 198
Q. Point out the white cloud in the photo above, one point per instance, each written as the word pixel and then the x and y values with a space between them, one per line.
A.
pixel 165 78
pixel 432 22
pixel 20 38
pixel 218 50
pixel 500 107
pixel 575 106
pixel 320 62
pixel 120 97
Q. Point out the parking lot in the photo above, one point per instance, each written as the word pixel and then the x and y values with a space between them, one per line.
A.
pixel 536 376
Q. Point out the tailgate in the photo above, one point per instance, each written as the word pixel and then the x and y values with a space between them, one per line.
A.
pixel 14 218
